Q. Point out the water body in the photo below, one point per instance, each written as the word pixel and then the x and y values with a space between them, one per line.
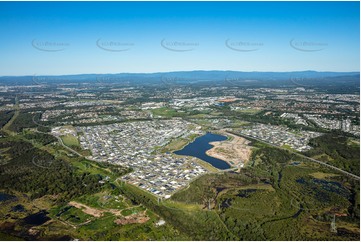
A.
pixel 226 203
pixel 63 210
pixel 321 189
pixel 18 208
pixel 199 147
pixel 5 197
pixel 36 219
pixel 246 192
pixel 333 186
pixel 298 212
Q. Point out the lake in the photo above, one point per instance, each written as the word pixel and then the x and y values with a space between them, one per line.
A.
pixel 36 219
pixel 5 197
pixel 199 147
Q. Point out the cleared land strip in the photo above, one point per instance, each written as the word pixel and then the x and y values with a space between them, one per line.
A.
pixel 86 209
pixel 6 127
pixel 300 155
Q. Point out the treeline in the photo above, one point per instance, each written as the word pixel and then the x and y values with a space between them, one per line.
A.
pixel 119 170
pixel 114 169
pixel 41 138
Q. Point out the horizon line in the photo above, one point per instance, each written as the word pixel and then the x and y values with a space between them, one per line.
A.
pixel 117 73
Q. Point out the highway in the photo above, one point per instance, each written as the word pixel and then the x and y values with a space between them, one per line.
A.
pixel 300 155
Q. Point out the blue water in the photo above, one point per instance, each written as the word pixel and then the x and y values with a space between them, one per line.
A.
pixel 199 147
pixel 37 218
pixel 5 197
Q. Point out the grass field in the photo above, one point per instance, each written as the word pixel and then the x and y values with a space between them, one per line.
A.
pixel 288 147
pixel 105 200
pixel 74 216
pixel 249 111
pixel 175 144
pixel 237 123
pixel 321 175
pixel 95 168
pixel 178 143
pixel 166 112
pixel 70 140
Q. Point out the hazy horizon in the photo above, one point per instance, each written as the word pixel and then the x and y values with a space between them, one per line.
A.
pixel 160 72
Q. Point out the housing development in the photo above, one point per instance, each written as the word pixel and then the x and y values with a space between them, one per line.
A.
pixel 134 144
pixel 137 133
pixel 281 136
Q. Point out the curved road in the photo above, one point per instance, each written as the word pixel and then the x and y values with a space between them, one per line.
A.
pixel 58 138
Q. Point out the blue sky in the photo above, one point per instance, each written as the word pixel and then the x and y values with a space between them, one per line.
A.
pixel 53 38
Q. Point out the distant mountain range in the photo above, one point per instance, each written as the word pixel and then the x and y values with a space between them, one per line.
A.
pixel 301 78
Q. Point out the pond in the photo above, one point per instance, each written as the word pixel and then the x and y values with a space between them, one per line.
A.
pixel 5 197
pixel 226 203
pixel 321 187
pixel 36 218
pixel 246 192
pixel 18 208
pixel 199 147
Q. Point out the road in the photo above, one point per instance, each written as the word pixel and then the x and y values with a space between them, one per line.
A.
pixel 58 138
pixel 67 147
pixel 300 155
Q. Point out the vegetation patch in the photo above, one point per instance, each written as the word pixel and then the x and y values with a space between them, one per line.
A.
pixel 321 175
pixel 336 146
pixel 70 140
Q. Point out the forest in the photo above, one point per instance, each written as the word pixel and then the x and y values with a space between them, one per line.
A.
pixel 338 150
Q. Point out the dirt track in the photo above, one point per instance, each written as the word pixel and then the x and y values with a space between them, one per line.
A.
pixel 86 209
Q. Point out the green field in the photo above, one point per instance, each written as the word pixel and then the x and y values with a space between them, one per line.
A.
pixel 249 111
pixel 74 216
pixel 105 200
pixel 175 144
pixel 166 112
pixel 178 143
pixel 70 140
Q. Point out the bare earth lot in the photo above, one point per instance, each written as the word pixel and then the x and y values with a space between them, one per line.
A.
pixel 235 151
pixel 86 209
pixel 140 217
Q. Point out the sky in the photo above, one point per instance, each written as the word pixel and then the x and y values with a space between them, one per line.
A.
pixel 58 38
